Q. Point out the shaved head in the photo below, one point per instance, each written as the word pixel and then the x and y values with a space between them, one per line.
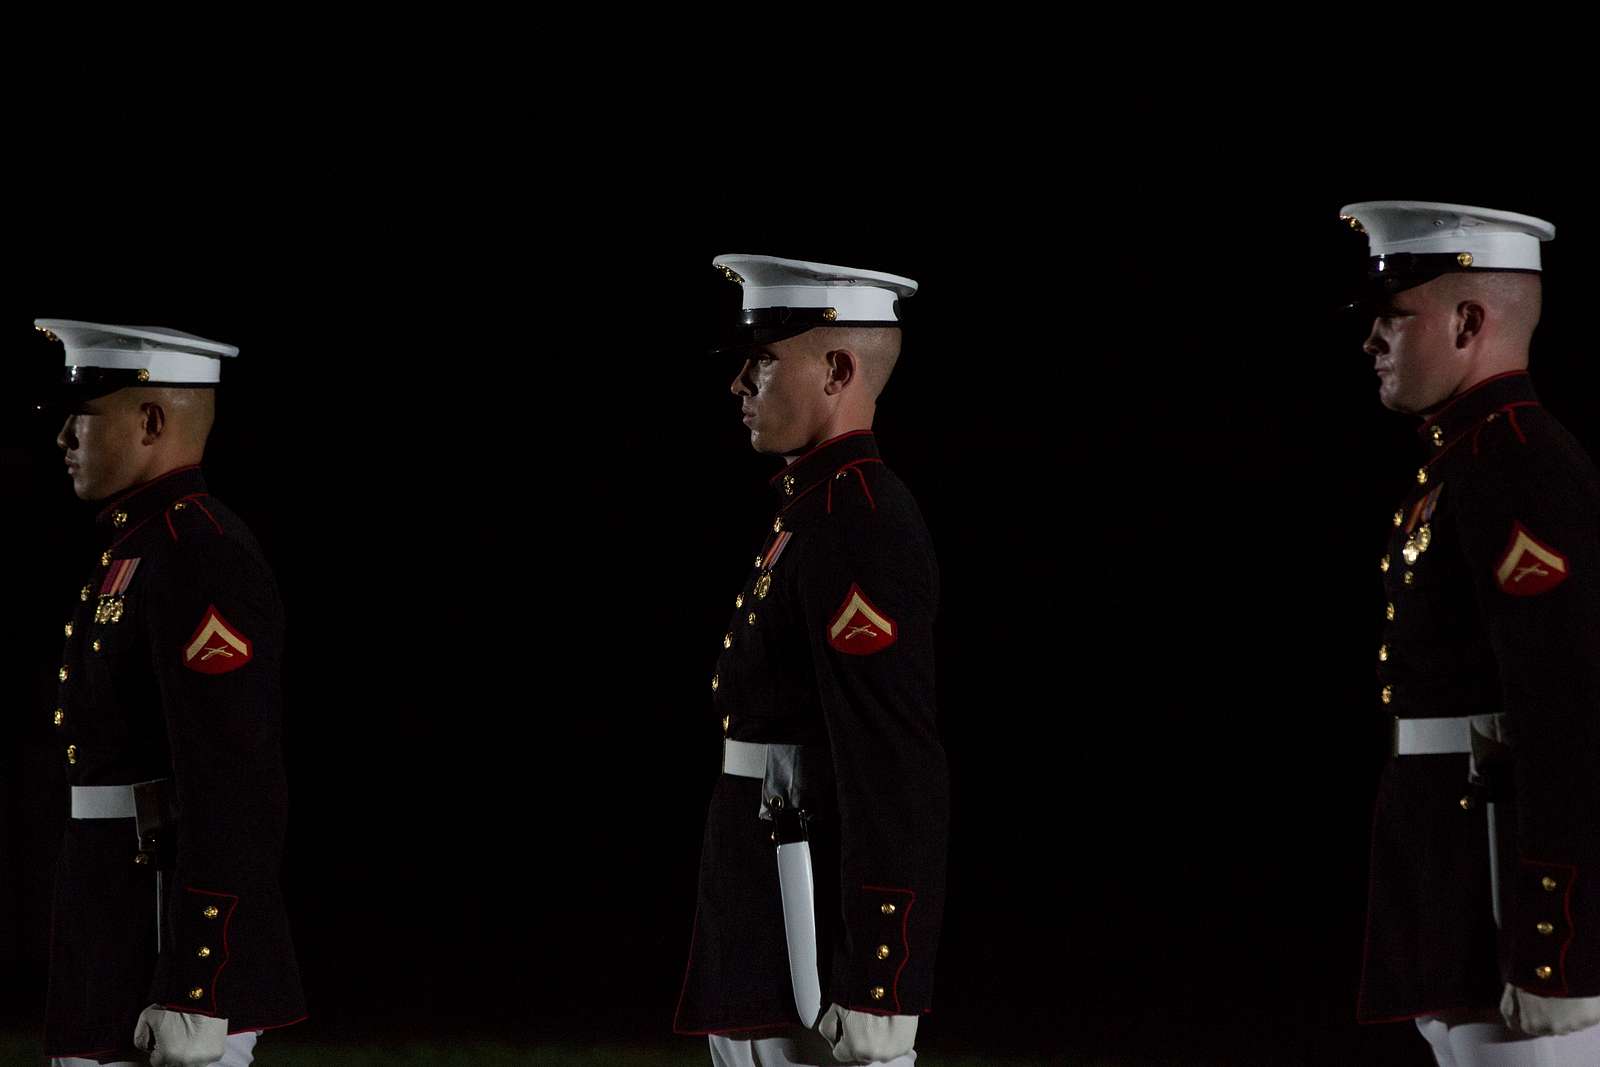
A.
pixel 1512 302
pixel 814 386
pixel 188 414
pixel 135 435
pixel 1433 341
pixel 876 348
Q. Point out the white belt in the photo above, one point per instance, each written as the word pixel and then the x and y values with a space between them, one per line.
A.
pixel 747 759
pixel 102 802
pixel 105 801
pixel 1432 737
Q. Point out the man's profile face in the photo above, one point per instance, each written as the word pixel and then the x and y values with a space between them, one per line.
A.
pixel 101 440
pixel 781 391
pixel 1412 344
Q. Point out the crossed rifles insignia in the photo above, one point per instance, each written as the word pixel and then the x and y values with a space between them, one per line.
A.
pixel 858 627
pixel 1529 566
pixel 216 646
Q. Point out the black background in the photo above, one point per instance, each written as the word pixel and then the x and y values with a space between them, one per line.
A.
pixel 507 496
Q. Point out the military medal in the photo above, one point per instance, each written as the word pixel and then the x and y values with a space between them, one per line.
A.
pixel 109 606
pixel 1422 510
pixel 770 557
pixel 1417 542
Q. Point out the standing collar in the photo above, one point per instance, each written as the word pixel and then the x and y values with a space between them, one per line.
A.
pixel 1449 423
pixel 819 464
pixel 148 498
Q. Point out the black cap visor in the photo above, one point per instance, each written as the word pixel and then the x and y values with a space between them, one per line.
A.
pixel 1391 274
pixel 81 384
pixel 763 326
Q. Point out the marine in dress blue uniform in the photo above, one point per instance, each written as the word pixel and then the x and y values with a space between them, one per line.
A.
pixel 1484 906
pixel 168 923
pixel 824 688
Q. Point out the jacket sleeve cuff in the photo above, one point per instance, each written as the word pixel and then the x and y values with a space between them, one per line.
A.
pixel 195 953
pixel 1545 928
pixel 881 950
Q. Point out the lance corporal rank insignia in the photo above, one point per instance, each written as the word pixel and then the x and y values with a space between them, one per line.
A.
pixel 858 627
pixel 1529 566
pixel 109 606
pixel 216 647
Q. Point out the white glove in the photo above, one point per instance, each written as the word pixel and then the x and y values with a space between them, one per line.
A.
pixel 178 1039
pixel 1539 1016
pixel 861 1037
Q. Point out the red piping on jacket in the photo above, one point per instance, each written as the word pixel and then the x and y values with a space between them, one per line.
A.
pixel 905 935
pixel 196 498
pixel 128 532
pixel 136 490
pixel 216 975
pixel 814 450
pixel 1437 415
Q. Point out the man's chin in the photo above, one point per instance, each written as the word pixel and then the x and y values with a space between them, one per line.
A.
pixel 88 491
pixel 1391 399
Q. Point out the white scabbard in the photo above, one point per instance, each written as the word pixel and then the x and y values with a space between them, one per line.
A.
pixel 800 928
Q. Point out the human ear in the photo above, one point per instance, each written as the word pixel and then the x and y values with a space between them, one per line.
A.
pixel 1471 323
pixel 841 369
pixel 155 421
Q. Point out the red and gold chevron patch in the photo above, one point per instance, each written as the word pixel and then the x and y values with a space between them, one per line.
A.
pixel 216 647
pixel 858 627
pixel 1529 566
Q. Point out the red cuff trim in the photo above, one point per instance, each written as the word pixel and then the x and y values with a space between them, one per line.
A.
pixel 227 921
pixel 905 940
pixel 1542 868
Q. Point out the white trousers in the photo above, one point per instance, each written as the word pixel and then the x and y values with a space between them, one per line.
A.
pixel 240 1051
pixel 794 1047
pixel 1491 1044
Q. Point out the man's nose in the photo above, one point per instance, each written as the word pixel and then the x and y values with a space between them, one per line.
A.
pixel 67 439
pixel 1373 345
pixel 739 386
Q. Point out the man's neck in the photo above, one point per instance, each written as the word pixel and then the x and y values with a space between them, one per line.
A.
pixel 1491 366
pixel 835 428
